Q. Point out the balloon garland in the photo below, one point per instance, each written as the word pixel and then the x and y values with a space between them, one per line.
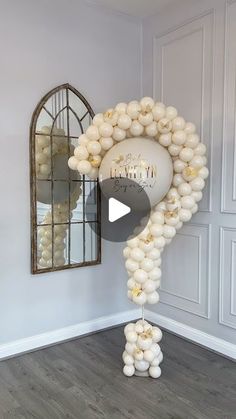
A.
pixel 44 152
pixel 142 354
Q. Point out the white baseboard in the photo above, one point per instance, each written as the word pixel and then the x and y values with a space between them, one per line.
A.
pixel 42 340
pixel 211 342
pixel 31 343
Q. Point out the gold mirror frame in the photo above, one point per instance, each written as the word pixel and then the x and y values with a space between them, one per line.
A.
pixel 35 269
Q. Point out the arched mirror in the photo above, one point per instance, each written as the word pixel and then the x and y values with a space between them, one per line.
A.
pixel 62 236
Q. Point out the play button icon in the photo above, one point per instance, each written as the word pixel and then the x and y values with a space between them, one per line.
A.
pixel 117 210
pixel 124 205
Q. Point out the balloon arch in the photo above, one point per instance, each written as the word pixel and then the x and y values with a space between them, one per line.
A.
pixel 147 119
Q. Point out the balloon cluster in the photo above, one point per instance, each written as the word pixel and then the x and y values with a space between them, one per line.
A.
pixel 45 151
pixel 142 352
pixel 60 215
pixel 163 124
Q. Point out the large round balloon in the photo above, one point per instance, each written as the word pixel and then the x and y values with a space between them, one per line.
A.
pixel 144 162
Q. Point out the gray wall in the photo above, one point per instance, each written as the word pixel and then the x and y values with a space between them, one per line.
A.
pixel 43 44
pixel 189 60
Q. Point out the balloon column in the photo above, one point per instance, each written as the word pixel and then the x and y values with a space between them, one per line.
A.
pixel 162 124
pixel 47 150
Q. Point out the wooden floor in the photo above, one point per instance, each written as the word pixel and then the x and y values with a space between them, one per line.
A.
pixel 83 379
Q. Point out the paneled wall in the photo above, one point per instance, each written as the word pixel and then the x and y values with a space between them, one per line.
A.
pixel 44 44
pixel 189 61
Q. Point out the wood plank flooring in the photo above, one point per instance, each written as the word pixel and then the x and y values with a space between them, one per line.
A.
pixel 83 379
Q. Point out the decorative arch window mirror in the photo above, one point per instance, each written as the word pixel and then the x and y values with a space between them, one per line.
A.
pixel 61 236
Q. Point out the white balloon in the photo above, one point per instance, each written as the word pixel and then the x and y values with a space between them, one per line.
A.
pixel 129 370
pixel 157 217
pixel 147 103
pixel 140 276
pixel 174 150
pixel 139 328
pixel 156 230
pixel 124 121
pixel 106 143
pixel 94 147
pixel 118 134
pixel 148 355
pixel 160 357
pixel 131 265
pixel 197 184
pixel 164 125
pixel 187 202
pixel 151 129
pixel 131 336
pixel 128 359
pixel 121 107
pixel 147 264
pixel 159 242
pixel 129 328
pixel 133 242
pixel 138 354
pixel 186 154
pixel 126 252
pixel 153 254
pixel 184 189
pixel 132 284
pixel 203 173
pixel 92 133
pixel 179 165
pixel 141 365
pixel 155 362
pixel 133 109
pixel 154 372
pixel 158 112
pixel 185 215
pixel 137 254
pixel 146 246
pixel 84 167
pixel 136 129
pixel 178 123
pixel 140 299
pixel 156 334
pixel 190 128
pixel 98 119
pixel 130 348
pixel 81 152
pixel 149 286
pixel 200 149
pixel 144 343
pixel 171 112
pixel 165 139
pixel 145 118
pixel 168 231
pixel 105 129
pixel 153 297
pixel 179 137
pixel 155 348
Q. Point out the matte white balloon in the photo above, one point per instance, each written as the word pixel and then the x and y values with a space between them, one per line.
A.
pixel 154 372
pixel 129 370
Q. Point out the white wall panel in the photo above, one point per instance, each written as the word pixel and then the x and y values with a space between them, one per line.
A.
pixel 229 135
pixel 190 294
pixel 189 61
pixel 228 277
pixel 182 76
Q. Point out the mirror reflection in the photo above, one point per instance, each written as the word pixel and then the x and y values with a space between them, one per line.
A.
pixel 61 235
